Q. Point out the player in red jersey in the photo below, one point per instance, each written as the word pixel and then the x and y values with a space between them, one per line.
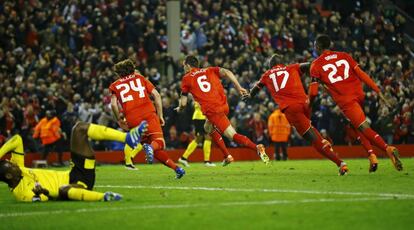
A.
pixel 205 86
pixel 342 77
pixel 133 92
pixel 285 85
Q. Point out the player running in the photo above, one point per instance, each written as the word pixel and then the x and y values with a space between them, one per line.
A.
pixel 285 86
pixel 342 77
pixel 32 185
pixel 133 92
pixel 198 120
pixel 205 86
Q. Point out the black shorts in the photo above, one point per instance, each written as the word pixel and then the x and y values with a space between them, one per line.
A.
pixel 199 127
pixel 79 174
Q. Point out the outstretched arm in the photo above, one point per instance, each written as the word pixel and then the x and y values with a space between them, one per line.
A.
pixel 158 105
pixel 228 74
pixel 367 80
pixel 253 91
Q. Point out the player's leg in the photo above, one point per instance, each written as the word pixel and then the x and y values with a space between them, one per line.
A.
pixel 218 140
pixel 366 144
pixel 231 133
pixel 190 148
pixel 298 116
pixel 357 117
pixel 130 154
pixel 78 192
pixel 15 146
pixel 207 150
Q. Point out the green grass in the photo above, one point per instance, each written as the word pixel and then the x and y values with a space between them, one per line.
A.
pixel 284 195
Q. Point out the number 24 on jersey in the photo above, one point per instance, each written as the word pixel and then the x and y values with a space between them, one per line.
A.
pixel 134 85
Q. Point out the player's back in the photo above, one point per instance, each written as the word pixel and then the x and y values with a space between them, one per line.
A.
pixel 205 86
pixel 48 179
pixel 337 71
pixel 133 93
pixel 285 85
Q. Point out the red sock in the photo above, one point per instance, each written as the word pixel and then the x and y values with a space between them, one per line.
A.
pixel 162 156
pixel 375 138
pixel 365 143
pixel 243 140
pixel 218 140
pixel 325 148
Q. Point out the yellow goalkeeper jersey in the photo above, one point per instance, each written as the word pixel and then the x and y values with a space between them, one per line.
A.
pixel 48 179
pixel 198 114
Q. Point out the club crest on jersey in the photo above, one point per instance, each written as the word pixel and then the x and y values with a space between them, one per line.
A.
pixel 333 56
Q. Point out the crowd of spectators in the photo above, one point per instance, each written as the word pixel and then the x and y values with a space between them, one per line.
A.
pixel 58 55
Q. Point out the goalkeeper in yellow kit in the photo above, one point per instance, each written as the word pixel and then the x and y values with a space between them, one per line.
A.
pixel 76 184
pixel 198 120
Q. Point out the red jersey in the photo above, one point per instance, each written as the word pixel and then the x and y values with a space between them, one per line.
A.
pixel 206 88
pixel 285 85
pixel 133 93
pixel 337 71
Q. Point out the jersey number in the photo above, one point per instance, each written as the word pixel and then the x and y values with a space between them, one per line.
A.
pixel 284 81
pixel 204 85
pixel 126 87
pixel 333 77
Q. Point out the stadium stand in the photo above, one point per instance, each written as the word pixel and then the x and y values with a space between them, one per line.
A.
pixel 57 55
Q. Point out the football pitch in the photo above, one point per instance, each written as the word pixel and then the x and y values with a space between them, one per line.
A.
pixel 245 195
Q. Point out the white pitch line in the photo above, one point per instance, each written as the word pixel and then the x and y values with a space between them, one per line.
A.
pixel 197 205
pixel 397 195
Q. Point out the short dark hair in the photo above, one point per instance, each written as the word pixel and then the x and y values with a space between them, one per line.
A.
pixel 192 61
pixel 323 41
pixel 124 68
pixel 274 60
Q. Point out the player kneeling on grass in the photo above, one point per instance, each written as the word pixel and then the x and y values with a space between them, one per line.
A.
pixel 77 184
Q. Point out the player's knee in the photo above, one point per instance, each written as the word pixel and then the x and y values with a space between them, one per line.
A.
pixel 80 128
pixel 160 143
pixel 230 132
pixel 363 126
pixel 199 138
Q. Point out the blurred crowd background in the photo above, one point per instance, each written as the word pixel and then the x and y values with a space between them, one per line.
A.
pixel 57 56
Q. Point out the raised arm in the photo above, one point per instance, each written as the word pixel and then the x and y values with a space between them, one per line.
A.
pixel 228 74
pixel 158 105
pixel 304 67
pixel 367 80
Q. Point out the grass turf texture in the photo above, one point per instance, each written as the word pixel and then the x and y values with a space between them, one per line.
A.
pixel 244 195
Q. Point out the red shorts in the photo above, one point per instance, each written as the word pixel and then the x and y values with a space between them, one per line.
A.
pixel 220 119
pixel 353 111
pixel 298 116
pixel 154 127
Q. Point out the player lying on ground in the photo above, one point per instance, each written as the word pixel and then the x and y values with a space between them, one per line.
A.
pixel 205 86
pixel 133 91
pixel 285 85
pixel 198 120
pixel 342 77
pixel 77 184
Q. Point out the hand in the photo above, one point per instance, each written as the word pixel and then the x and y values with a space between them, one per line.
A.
pixel 386 102
pixel 243 91
pixel 38 190
pixel 246 97
pixel 162 121
pixel 123 124
pixel 178 109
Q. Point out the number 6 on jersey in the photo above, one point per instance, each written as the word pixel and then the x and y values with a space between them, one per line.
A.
pixel 284 81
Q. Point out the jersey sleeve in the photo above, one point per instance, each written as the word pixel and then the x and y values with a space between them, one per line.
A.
pixel 185 88
pixel 314 72
pixel 215 70
pixel 112 88
pixel 261 81
pixel 296 66
pixel 149 86
pixel 351 61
